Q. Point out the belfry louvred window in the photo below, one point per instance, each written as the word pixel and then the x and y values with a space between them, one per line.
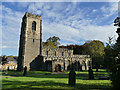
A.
pixel 34 26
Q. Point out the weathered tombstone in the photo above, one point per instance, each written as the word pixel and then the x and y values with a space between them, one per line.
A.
pixel 91 76
pixel 25 71
pixel 81 68
pixel 72 76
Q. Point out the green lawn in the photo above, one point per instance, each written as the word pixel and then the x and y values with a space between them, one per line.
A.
pixel 46 80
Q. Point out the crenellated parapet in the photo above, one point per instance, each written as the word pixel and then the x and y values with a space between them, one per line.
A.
pixel 56 48
pixel 81 56
pixel 33 15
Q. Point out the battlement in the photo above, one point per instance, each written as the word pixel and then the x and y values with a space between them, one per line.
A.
pixel 33 15
pixel 81 56
pixel 57 48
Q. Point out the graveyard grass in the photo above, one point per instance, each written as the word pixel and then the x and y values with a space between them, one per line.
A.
pixel 46 80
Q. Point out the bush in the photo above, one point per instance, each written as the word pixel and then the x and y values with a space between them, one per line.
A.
pixel 115 76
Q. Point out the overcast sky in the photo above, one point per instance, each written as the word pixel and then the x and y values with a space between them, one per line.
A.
pixel 73 22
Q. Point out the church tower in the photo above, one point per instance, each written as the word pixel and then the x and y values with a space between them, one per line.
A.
pixel 30 40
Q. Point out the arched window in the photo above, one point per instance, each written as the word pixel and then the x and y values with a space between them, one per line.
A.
pixel 33 40
pixel 69 54
pixel 46 53
pixel 62 53
pixel 34 26
pixel 54 54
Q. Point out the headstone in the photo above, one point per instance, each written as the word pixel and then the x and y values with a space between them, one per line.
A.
pixel 91 76
pixel 8 69
pixel 25 71
pixel 72 76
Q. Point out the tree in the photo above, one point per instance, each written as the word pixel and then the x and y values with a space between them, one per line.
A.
pixel 95 49
pixel 4 60
pixel 115 70
pixel 77 49
pixel 52 42
pixel 110 53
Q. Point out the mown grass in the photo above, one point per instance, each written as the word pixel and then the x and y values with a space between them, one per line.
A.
pixel 45 80
pixel 12 72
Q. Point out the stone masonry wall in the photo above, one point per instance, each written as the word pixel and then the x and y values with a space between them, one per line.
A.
pixel 65 60
pixel 58 51
pixel 32 45
pixel 32 39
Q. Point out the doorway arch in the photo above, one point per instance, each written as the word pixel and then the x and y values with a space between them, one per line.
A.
pixel 57 68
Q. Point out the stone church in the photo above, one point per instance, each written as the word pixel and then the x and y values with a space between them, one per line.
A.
pixel 36 57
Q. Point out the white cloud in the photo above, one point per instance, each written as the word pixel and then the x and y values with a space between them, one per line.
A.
pixel 75 27
pixel 92 32
pixel 109 11
pixel 94 10
pixel 11 23
pixel 60 0
pixel 71 27
pixel 74 36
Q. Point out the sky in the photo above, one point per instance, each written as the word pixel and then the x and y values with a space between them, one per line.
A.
pixel 72 22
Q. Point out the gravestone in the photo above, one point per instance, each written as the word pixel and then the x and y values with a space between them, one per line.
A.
pixel 25 71
pixel 72 76
pixel 8 69
pixel 91 76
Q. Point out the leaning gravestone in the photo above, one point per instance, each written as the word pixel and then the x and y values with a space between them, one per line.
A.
pixel 72 77
pixel 91 76
pixel 25 71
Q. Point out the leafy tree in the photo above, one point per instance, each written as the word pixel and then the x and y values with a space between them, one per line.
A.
pixel 115 69
pixel 4 59
pixel 110 54
pixel 95 49
pixel 77 49
pixel 114 66
pixel 52 42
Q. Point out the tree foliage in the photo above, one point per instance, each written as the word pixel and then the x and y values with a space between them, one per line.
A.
pixel 77 49
pixel 52 42
pixel 113 65
pixel 110 54
pixel 115 68
pixel 95 49
pixel 115 58
pixel 4 60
